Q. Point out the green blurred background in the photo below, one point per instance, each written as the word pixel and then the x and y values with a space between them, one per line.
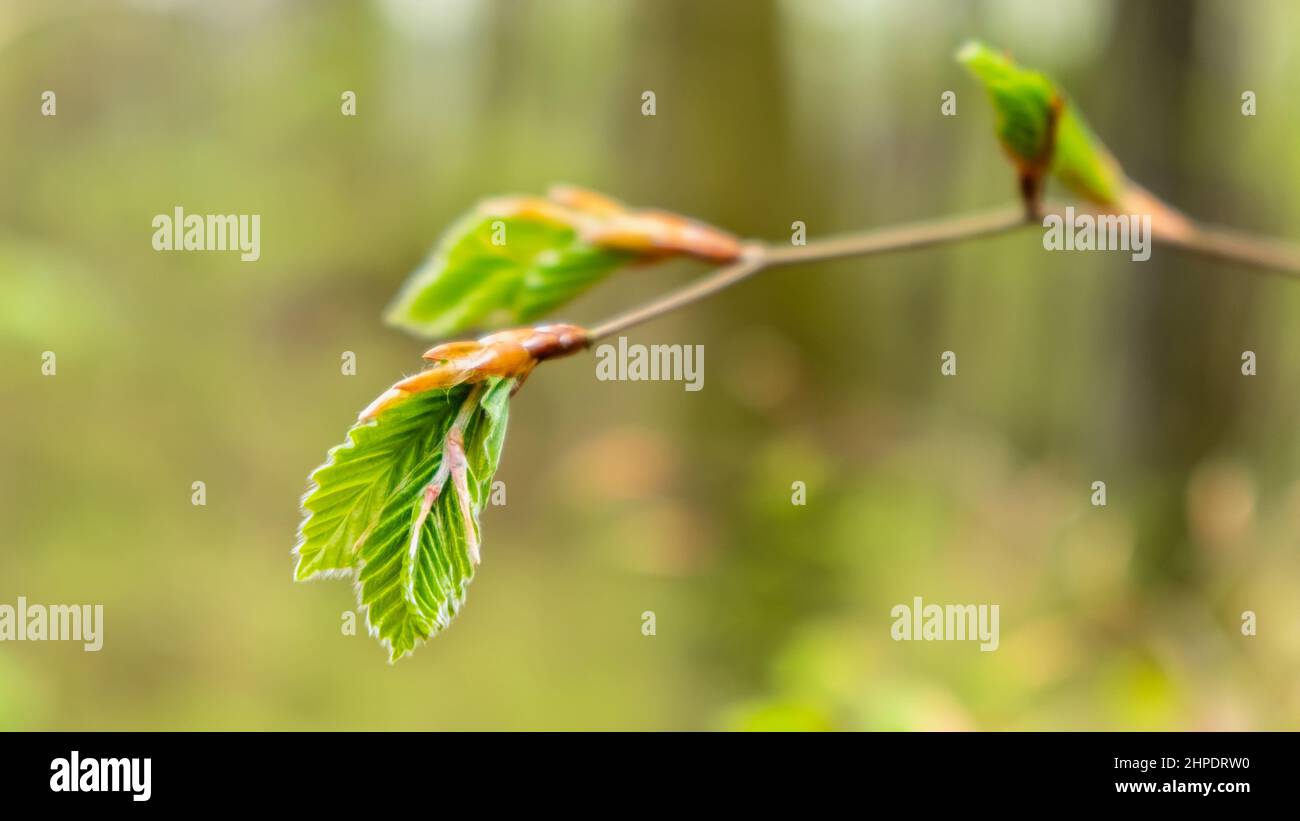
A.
pixel 627 497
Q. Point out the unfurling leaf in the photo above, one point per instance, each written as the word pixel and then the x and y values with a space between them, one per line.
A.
pixel 398 503
pixel 1042 130
pixel 513 259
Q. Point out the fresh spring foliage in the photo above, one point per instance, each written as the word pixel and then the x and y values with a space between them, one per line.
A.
pixel 492 270
pixel 398 503
pixel 1042 130
pixel 518 257
pixel 365 502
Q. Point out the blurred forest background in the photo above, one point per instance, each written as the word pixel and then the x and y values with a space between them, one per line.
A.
pixel 627 497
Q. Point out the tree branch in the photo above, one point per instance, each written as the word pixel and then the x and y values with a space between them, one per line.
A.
pixel 757 257
pixel 1263 253
pixel 1221 243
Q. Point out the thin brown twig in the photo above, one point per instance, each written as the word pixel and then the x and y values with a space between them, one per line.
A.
pixel 1222 243
pixel 758 257
pixel 1263 253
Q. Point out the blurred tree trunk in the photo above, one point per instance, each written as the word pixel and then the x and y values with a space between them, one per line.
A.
pixel 712 67
pixel 1187 314
pixel 720 141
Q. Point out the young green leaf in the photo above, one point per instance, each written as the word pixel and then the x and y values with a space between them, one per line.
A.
pixel 398 504
pixel 399 501
pixel 517 258
pixel 1042 130
pixel 494 269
